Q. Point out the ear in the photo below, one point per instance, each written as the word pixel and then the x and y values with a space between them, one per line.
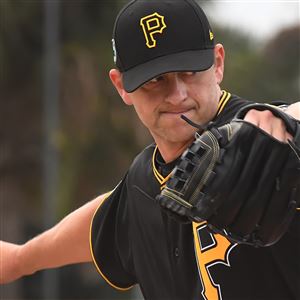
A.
pixel 116 78
pixel 219 62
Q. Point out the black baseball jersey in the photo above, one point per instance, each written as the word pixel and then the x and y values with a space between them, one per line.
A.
pixel 134 241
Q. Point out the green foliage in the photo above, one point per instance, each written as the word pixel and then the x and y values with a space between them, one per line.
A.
pixel 281 58
pixel 262 71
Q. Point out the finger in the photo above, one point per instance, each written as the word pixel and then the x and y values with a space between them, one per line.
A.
pixel 252 117
pixel 276 128
pixel 266 121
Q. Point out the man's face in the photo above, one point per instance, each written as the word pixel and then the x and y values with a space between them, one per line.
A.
pixel 160 102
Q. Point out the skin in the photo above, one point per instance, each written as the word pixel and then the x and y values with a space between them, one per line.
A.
pixel 159 104
pixel 53 248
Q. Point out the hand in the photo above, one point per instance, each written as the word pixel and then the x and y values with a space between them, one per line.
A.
pixel 294 110
pixel 227 177
pixel 9 267
pixel 269 123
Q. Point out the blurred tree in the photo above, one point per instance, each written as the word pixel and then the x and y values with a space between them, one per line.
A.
pixel 262 70
pixel 92 129
pixel 281 56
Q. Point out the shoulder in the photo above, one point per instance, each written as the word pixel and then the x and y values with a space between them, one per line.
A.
pixel 143 159
pixel 228 107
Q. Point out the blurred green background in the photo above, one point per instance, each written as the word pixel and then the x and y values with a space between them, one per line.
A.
pixel 55 158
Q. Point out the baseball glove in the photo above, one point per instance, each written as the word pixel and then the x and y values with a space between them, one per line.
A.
pixel 238 178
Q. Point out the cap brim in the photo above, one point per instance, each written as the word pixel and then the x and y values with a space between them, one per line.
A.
pixel 188 61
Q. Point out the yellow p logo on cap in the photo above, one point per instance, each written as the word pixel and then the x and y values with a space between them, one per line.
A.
pixel 152 24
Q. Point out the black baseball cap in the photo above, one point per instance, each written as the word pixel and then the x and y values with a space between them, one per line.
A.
pixel 153 37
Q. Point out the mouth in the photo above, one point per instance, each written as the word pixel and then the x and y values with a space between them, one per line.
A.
pixel 178 112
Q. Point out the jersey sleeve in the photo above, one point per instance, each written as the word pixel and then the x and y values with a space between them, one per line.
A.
pixel 109 240
pixel 229 108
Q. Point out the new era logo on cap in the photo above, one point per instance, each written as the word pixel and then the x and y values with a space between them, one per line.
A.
pixel 153 37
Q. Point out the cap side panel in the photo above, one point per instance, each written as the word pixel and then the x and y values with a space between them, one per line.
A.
pixel 119 63
pixel 209 43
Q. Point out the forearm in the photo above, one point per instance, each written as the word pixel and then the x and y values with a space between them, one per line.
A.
pixel 65 243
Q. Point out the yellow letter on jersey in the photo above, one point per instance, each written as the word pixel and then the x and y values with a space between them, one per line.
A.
pixel 152 24
pixel 207 256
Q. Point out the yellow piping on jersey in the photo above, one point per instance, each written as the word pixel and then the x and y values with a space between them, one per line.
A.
pixel 223 101
pixel 92 253
pixel 161 179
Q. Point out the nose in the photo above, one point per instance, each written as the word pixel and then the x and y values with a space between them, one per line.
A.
pixel 176 90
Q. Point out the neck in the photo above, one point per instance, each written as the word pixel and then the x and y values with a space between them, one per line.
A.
pixel 171 151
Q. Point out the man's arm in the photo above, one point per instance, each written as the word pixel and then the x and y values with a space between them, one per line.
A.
pixel 65 243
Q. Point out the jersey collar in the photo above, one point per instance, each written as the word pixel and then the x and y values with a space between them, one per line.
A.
pixel 159 167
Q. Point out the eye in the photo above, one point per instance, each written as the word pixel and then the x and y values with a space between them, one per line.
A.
pixel 156 79
pixel 190 73
pixel 153 81
pixel 188 76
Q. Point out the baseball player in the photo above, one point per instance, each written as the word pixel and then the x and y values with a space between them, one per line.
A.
pixel 171 67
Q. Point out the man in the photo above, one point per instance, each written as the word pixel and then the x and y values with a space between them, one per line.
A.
pixel 167 66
